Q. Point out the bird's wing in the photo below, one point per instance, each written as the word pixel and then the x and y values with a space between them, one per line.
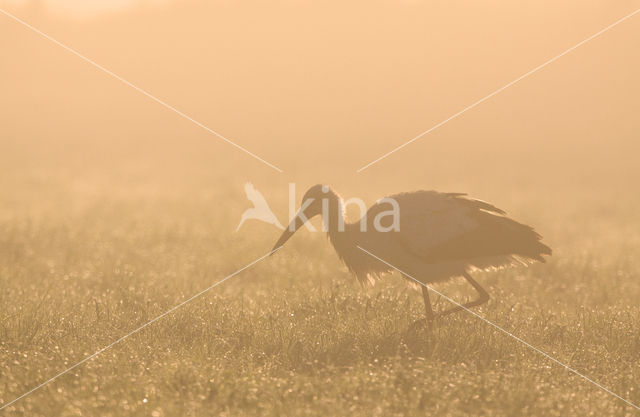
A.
pixel 430 218
pixel 249 190
pixel 427 219
pixel 261 210
pixel 255 196
pixel 440 227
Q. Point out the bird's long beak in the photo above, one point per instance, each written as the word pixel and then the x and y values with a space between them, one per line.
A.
pixel 295 224
pixel 309 209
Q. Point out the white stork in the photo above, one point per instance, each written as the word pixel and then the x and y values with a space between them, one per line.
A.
pixel 440 236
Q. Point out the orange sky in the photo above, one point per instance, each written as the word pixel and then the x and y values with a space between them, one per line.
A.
pixel 322 89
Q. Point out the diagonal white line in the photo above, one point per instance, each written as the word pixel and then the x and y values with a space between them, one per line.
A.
pixel 138 89
pixel 482 100
pixel 546 355
pixel 171 310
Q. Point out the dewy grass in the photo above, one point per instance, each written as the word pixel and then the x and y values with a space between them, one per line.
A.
pixel 295 334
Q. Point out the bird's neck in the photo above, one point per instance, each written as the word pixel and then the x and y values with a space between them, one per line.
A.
pixel 335 222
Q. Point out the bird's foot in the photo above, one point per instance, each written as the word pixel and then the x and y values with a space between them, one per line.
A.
pixel 424 323
pixel 419 337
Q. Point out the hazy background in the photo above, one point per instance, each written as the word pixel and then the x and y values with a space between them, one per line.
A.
pixel 107 196
pixel 320 90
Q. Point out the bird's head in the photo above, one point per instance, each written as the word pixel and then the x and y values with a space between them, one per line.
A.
pixel 312 205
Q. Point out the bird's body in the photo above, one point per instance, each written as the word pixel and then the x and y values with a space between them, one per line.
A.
pixel 440 236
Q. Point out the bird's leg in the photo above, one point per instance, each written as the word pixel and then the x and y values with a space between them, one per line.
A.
pixel 427 304
pixel 483 297
pixel 429 315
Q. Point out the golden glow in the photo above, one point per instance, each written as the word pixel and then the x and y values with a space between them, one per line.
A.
pixel 114 208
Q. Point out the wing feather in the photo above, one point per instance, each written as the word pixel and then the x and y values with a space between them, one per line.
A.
pixel 445 227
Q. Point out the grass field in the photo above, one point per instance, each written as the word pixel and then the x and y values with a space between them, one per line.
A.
pixel 114 209
pixel 295 334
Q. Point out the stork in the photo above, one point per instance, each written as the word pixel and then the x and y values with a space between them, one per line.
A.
pixel 440 236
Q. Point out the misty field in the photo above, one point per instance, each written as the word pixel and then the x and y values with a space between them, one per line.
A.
pixel 114 209
pixel 295 334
